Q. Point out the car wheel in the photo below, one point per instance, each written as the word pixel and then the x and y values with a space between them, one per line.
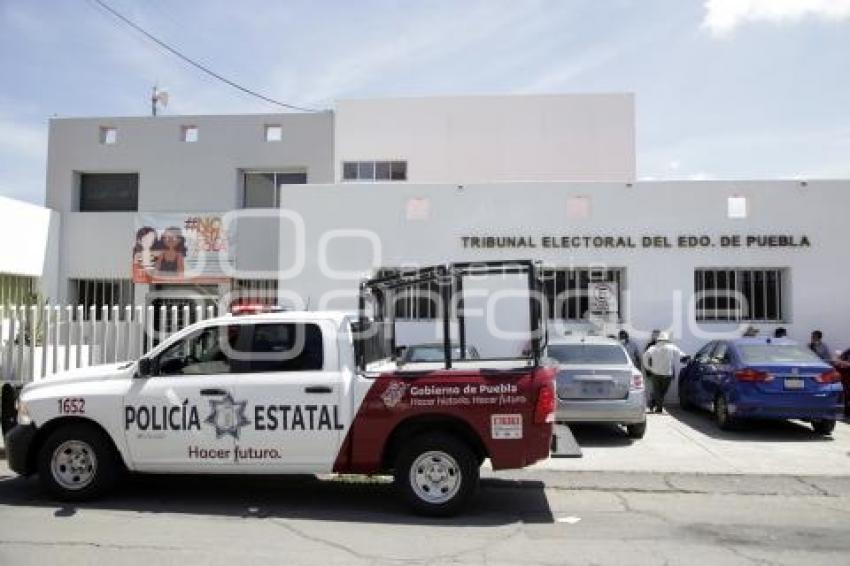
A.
pixel 824 426
pixel 684 403
pixel 77 463
pixel 721 413
pixel 436 474
pixel 637 430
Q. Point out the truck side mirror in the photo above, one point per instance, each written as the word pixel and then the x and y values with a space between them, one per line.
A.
pixel 685 359
pixel 145 367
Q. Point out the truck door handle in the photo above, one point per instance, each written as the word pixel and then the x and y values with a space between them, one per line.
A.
pixel 209 392
pixel 318 389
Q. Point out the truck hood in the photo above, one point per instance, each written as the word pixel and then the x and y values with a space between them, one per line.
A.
pixel 83 375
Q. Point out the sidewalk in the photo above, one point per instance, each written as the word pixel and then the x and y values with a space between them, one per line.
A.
pixel 690 443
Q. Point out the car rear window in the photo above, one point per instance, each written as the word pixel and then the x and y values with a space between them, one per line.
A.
pixel 588 354
pixel 776 354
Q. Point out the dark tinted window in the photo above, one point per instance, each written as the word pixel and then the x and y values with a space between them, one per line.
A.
pixel 776 354
pixel 399 170
pixel 705 353
pixel 262 190
pixel 259 190
pixel 286 347
pixel 205 352
pixel 103 192
pixel 721 353
pixel 349 170
pixel 588 353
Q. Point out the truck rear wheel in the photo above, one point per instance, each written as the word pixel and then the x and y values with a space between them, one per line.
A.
pixel 77 463
pixel 436 474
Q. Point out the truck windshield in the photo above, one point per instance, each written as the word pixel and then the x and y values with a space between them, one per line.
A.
pixel 776 354
pixel 610 354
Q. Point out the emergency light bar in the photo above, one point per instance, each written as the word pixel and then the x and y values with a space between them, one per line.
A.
pixel 240 310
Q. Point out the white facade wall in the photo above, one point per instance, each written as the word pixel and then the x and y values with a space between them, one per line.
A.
pixel 174 176
pixel 518 161
pixel 30 243
pixel 357 228
pixel 571 137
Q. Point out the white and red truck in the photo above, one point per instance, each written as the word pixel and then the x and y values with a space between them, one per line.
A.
pixel 296 392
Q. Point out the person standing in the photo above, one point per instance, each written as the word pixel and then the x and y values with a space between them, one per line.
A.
pixel 818 346
pixel 653 338
pixel 660 363
pixel 631 348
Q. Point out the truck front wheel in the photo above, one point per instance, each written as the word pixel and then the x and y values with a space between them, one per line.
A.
pixel 436 473
pixel 77 463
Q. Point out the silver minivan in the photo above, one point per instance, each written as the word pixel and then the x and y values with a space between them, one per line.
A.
pixel 598 382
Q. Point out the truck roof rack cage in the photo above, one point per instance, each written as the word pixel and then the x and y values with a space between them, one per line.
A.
pixel 375 336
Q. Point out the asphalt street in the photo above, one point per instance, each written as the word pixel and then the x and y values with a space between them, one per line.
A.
pixel 529 517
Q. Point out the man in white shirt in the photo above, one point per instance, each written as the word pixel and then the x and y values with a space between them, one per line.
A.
pixel 660 363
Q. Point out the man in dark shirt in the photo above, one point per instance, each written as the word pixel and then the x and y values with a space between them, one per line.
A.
pixel 818 346
pixel 631 348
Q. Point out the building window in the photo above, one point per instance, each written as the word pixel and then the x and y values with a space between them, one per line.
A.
pixel 255 292
pixel 99 293
pixel 734 295
pixel 578 207
pixel 262 189
pixel 736 207
pixel 273 132
pixel 374 171
pixel 567 291
pixel 189 134
pixel 107 192
pixel 17 290
pixel 108 135
pixel 419 302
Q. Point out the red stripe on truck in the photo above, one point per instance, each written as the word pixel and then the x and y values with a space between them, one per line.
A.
pixel 494 409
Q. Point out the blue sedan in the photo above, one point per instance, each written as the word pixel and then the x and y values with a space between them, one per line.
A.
pixel 762 378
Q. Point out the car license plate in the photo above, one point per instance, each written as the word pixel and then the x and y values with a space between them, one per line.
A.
pixel 794 383
pixel 595 389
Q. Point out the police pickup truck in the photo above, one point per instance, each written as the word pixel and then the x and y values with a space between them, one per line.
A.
pixel 294 392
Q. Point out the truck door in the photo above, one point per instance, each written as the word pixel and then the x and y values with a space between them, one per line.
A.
pixel 187 416
pixel 294 387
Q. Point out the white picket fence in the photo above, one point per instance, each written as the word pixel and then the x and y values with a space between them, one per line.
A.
pixel 37 341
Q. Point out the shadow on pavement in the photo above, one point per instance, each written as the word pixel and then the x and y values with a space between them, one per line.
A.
pixel 599 435
pixel 343 499
pixel 753 430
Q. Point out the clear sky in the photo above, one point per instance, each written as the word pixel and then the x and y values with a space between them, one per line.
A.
pixel 724 88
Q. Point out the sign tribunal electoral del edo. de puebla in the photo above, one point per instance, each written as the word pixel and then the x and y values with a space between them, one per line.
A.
pixel 633 241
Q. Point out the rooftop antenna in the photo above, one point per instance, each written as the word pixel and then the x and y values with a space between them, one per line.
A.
pixel 158 97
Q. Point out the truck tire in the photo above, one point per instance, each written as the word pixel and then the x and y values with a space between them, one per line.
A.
pixel 823 426
pixel 8 414
pixel 436 474
pixel 77 463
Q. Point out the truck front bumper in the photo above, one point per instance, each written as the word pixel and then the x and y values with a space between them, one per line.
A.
pixel 18 446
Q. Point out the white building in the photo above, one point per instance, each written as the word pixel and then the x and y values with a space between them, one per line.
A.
pixel 390 183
